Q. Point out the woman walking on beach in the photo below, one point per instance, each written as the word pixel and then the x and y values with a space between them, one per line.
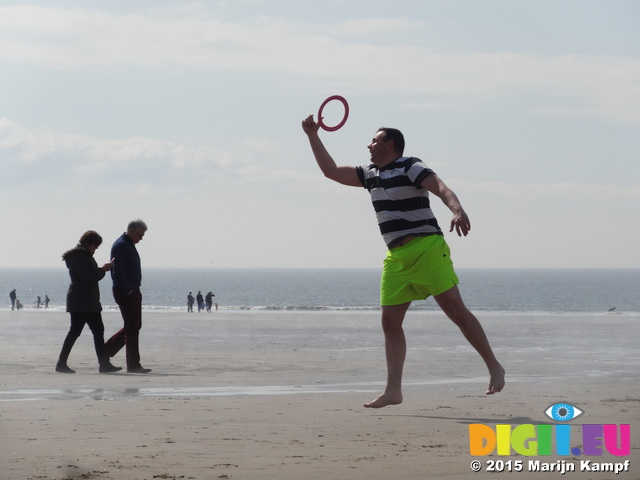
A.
pixel 83 300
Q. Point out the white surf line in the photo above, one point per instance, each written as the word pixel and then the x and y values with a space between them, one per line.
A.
pixel 19 395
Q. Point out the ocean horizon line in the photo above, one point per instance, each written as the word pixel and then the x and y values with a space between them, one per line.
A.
pixel 496 289
pixel 458 268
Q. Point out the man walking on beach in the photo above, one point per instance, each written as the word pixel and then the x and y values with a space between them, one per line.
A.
pixel 127 278
pixel 418 264
pixel 12 297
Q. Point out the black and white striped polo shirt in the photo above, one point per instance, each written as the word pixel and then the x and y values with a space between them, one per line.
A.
pixel 401 204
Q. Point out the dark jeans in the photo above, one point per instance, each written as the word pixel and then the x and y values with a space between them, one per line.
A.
pixel 131 311
pixel 78 321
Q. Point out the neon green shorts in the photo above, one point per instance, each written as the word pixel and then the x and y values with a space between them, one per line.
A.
pixel 414 271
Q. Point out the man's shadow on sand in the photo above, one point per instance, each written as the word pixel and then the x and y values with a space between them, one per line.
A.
pixel 469 421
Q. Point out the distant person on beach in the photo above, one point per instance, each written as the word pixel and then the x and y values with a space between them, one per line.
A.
pixel 127 278
pixel 12 297
pixel 190 302
pixel 38 301
pixel 200 301
pixel 208 300
pixel 417 264
pixel 46 301
pixel 83 300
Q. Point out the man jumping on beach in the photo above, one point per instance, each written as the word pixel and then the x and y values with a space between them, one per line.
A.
pixel 418 264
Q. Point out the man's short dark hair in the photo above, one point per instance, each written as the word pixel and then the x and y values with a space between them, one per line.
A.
pixel 395 135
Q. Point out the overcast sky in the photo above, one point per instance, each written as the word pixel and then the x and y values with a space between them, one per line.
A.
pixel 187 115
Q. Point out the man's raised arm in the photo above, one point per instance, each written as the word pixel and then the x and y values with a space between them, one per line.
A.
pixel 345 175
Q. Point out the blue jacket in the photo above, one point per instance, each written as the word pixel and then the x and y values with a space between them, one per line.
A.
pixel 126 272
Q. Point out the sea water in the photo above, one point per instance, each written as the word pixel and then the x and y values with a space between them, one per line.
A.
pixel 496 290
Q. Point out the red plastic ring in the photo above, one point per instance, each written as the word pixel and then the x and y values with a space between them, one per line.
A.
pixel 344 119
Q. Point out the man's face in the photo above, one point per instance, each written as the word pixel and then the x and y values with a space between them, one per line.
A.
pixel 380 148
pixel 136 235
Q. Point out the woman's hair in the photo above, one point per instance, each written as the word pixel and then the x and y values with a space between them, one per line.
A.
pixel 90 237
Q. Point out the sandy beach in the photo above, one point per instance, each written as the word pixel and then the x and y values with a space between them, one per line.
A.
pixel 260 395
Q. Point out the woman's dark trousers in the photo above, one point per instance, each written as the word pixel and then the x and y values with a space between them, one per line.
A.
pixel 78 321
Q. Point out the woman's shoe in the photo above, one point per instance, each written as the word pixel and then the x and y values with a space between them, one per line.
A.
pixel 62 368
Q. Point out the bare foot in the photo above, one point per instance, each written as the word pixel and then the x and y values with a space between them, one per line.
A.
pixel 384 400
pixel 496 381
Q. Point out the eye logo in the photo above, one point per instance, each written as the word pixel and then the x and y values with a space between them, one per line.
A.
pixel 563 412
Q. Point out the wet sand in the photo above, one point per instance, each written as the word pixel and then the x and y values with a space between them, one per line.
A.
pixel 255 395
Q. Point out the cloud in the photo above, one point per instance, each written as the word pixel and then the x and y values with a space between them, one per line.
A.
pixel 532 194
pixel 59 157
pixel 545 225
pixel 452 106
pixel 347 53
